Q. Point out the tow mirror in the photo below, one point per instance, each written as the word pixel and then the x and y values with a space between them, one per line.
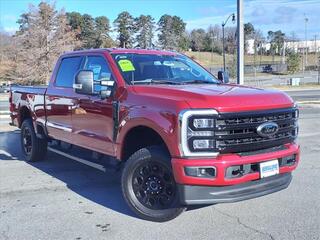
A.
pixel 83 83
pixel 106 88
pixel 223 76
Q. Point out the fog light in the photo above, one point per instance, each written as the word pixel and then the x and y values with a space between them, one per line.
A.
pixel 288 161
pixel 201 172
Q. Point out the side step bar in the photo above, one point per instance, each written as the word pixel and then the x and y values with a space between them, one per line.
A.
pixel 86 162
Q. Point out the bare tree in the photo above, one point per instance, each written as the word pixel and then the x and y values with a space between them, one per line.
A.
pixel 44 35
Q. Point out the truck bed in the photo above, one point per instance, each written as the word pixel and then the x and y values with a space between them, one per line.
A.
pixel 40 90
pixel 30 98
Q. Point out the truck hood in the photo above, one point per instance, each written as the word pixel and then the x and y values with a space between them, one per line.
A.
pixel 222 97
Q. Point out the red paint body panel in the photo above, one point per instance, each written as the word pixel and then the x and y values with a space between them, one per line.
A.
pixel 87 121
pixel 222 162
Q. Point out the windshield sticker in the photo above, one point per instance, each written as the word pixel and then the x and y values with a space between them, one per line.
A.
pixel 126 65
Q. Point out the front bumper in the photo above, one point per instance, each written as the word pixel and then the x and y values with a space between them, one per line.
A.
pixel 192 195
pixel 222 162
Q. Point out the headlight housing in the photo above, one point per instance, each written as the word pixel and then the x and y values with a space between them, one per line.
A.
pixel 197 132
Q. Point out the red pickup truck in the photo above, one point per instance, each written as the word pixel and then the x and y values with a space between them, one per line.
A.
pixel 181 136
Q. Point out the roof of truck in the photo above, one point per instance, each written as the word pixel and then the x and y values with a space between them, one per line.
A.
pixel 124 50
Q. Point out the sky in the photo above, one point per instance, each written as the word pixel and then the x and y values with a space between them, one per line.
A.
pixel 286 15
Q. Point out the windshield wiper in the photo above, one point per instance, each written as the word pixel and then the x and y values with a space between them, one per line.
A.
pixel 155 81
pixel 199 81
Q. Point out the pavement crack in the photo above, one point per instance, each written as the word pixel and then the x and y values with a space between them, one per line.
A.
pixel 245 225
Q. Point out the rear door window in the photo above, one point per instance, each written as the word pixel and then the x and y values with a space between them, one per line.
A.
pixel 67 71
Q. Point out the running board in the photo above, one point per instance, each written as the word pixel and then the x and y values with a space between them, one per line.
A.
pixel 86 162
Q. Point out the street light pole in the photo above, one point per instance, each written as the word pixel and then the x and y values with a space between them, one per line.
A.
pixel 240 52
pixel 223 44
pixel 223 49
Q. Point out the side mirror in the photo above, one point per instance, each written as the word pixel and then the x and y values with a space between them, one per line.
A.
pixel 107 90
pixel 83 83
pixel 223 76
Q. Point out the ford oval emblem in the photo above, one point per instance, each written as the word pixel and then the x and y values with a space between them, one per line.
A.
pixel 267 129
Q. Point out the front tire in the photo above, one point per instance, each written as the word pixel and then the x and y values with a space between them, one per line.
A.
pixel 148 185
pixel 33 148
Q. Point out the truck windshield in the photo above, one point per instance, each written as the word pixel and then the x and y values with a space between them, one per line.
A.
pixel 161 69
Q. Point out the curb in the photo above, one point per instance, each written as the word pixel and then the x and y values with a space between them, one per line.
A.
pixel 309 102
pixel 4 114
pixel 298 89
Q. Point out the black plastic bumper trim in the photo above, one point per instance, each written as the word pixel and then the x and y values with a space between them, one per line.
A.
pixel 193 195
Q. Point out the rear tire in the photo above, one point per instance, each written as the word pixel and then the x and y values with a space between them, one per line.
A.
pixel 148 185
pixel 33 148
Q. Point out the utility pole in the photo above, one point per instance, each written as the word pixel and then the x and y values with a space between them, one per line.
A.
pixel 306 42
pixel 240 52
pixel 316 48
pixel 316 56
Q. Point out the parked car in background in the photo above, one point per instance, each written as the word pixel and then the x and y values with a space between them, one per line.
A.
pixel 267 69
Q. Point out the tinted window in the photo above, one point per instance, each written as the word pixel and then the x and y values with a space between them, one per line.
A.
pixel 100 70
pixel 68 69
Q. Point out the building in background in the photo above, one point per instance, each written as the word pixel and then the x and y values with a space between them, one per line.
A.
pixel 312 46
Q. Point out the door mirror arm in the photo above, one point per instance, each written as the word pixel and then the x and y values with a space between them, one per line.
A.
pixel 223 76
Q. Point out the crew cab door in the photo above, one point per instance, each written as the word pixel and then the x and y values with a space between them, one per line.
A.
pixel 92 117
pixel 59 98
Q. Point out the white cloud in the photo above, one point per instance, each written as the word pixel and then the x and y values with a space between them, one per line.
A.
pixel 11 30
pixel 285 15
pixel 9 18
pixel 204 22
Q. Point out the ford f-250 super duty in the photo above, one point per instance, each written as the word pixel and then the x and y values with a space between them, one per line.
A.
pixel 182 136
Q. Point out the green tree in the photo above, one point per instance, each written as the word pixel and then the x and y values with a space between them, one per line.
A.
pixel 277 41
pixel 125 27
pixel 293 62
pixel 185 42
pixel 213 41
pixel 197 38
pixel 145 26
pixel 23 22
pixel 93 33
pixel 249 32
pixel 88 33
pixel 171 30
pixel 75 21
pixel 102 31
pixel 248 29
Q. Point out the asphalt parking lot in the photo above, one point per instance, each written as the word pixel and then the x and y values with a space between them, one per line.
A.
pixel 62 199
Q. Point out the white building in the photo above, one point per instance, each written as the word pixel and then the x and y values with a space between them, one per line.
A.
pixel 298 46
pixel 311 46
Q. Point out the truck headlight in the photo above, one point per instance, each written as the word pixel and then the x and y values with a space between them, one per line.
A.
pixel 203 123
pixel 197 132
pixel 203 144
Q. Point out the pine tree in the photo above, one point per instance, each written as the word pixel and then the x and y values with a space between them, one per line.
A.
pixel 125 27
pixel 145 26
pixel 102 30
pixel 172 29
